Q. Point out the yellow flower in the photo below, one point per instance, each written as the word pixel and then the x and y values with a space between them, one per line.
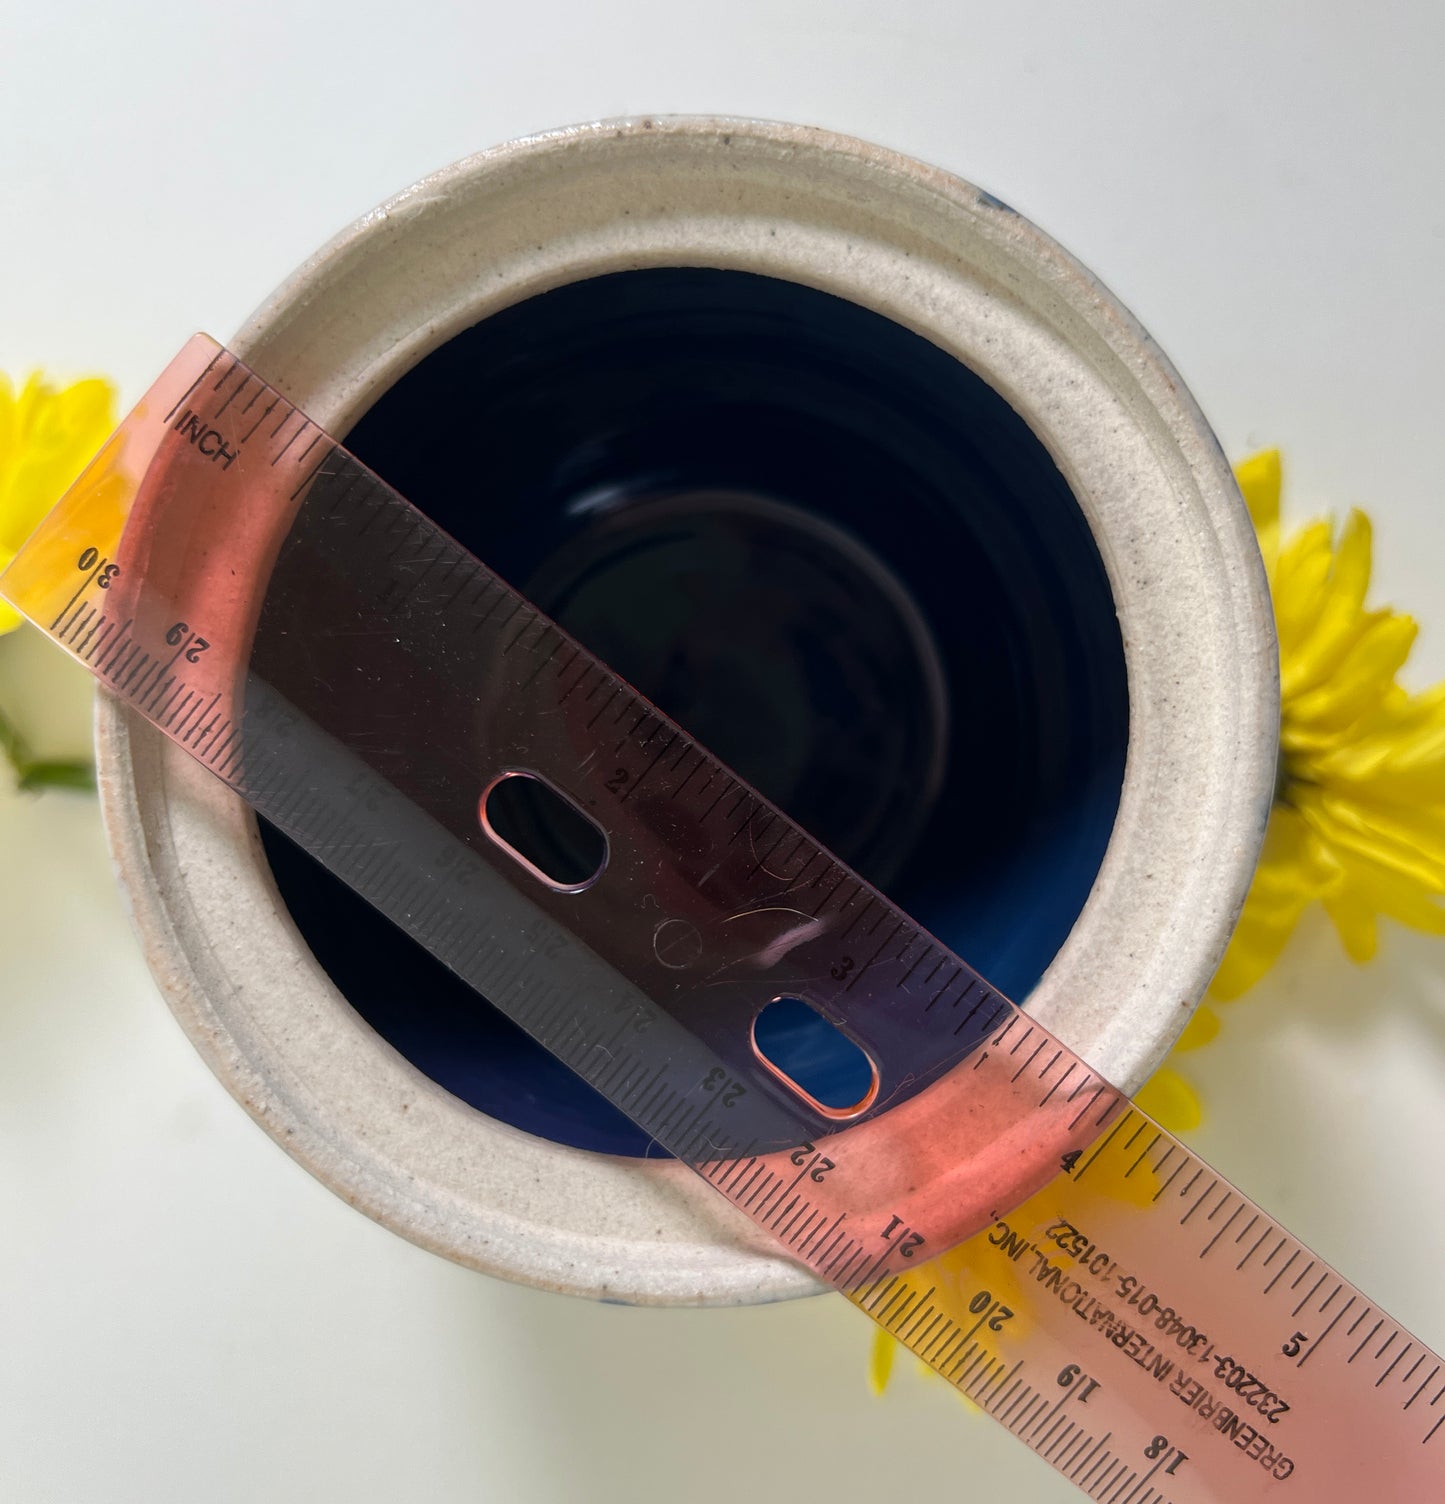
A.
pixel 1167 1097
pixel 1359 816
pixel 47 436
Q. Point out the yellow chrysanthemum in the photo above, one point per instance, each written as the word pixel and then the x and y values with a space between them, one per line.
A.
pixel 1359 816
pixel 1167 1097
pixel 47 436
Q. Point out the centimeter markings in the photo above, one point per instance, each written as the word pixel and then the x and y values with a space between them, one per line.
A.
pixel 444 915
pixel 841 1257
pixel 481 603
pixel 152 677
pixel 1275 1271
pixel 1225 1220
pixel 463 597
pixel 1212 1238
pixel 452 588
pixel 380 530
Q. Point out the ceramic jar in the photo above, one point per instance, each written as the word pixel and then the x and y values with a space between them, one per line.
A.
pixel 961 416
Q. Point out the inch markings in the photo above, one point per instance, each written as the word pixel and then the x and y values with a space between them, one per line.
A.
pixel 1140 1324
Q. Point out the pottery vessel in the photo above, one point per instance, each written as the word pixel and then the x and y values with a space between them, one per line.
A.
pixel 928 252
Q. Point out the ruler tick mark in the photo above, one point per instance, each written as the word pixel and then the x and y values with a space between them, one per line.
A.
pixel 1004 1399
pixel 316 470
pixel 949 1357
pixel 1364 1341
pixel 234 393
pixel 1059 1443
pixel 1284 1269
pixel 1306 1300
pixel 280 453
pixel 642 777
pixel 1099 1446
pixel 1074 1453
pixel 1004 1032
pixel 1423 1387
pixel 952 977
pixel 922 956
pixel 1038 1050
pixel 1203 1197
pixel 1079 1441
pixel 1224 1228
pixel 1084 1110
pixel 1143 1153
pixel 1073 1066
pixel 1088 1163
pixel 1030 1413
pixel 602 709
pixel 921 1338
pixel 1315 1345
pixel 1259 1243
pixel 1053 1419
pixel 176 406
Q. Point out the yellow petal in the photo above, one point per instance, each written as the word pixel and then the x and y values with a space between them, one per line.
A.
pixel 1415 727
pixel 880 1360
pixel 1295 865
pixel 1388 893
pixel 1255 948
pixel 1362 827
pixel 8 420
pixel 1355 924
pixel 1420 786
pixel 10 618
pixel 1357 686
pixel 1299 580
pixel 1386 845
pixel 1383 739
pixel 1259 478
pixel 1398 752
pixel 1341 618
pixel 1410 837
pixel 1199 1031
pixel 1171 1101
pixel 1281 890
pixel 1295 869
pixel 46 439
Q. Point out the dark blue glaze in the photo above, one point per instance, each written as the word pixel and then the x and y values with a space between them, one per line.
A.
pixel 831 551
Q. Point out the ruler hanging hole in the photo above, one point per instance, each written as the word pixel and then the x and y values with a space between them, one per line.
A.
pixel 541 828
pixel 814 1058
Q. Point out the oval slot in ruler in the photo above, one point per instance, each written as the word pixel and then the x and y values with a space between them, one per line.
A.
pixel 279 612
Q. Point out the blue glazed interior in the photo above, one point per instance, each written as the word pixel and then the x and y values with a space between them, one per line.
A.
pixel 832 552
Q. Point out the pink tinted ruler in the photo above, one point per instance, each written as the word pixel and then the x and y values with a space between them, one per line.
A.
pixel 285 617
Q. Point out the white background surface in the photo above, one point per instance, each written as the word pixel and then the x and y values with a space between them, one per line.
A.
pixel 184 1314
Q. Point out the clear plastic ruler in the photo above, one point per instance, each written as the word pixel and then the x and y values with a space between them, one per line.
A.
pixel 278 611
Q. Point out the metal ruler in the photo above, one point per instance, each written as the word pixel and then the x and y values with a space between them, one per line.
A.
pixel 368 686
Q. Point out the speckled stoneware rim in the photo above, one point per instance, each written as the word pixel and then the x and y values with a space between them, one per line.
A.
pixel 931 252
